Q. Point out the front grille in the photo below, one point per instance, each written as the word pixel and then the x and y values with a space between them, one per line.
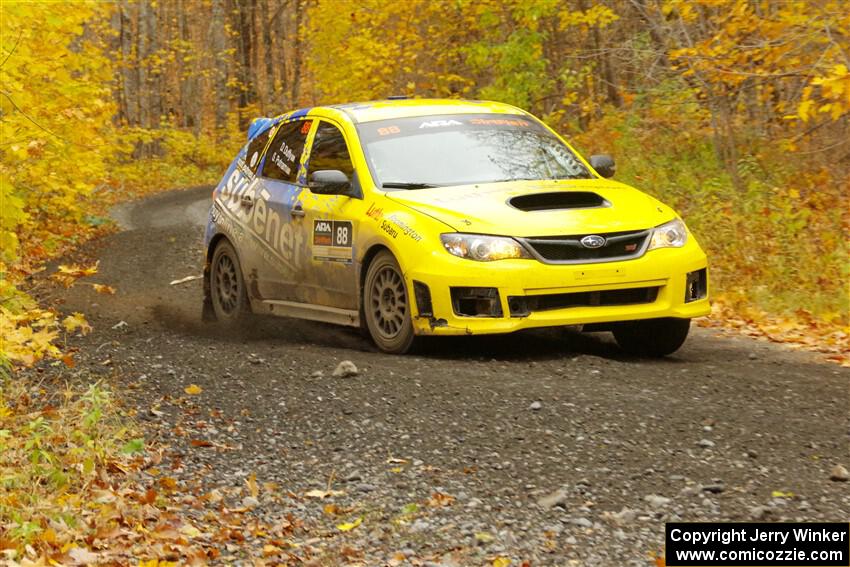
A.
pixel 522 306
pixel 569 249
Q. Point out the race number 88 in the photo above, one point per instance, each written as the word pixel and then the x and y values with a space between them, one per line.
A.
pixel 342 236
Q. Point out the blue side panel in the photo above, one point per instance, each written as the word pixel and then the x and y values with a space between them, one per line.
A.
pixel 211 228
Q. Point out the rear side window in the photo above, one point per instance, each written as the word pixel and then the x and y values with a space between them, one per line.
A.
pixel 255 148
pixel 329 151
pixel 284 153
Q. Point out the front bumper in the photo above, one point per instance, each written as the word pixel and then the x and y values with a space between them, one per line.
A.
pixel 532 294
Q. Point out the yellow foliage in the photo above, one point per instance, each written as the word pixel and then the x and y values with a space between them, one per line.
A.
pixel 57 109
pixel 56 129
pixel 372 48
pixel 26 337
pixel 834 87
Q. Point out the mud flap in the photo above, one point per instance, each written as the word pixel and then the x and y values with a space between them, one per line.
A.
pixel 207 311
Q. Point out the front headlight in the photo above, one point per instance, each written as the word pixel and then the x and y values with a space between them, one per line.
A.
pixel 483 248
pixel 671 234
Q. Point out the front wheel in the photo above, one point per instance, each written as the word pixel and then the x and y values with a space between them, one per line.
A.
pixel 652 337
pixel 386 306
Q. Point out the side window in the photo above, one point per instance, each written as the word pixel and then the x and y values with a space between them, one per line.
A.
pixel 329 150
pixel 285 151
pixel 255 148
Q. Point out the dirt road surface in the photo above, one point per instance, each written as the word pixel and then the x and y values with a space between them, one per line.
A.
pixel 547 447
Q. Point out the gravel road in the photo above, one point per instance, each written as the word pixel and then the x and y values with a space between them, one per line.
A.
pixel 545 447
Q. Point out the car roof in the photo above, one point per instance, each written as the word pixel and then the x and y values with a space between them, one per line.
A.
pixel 404 108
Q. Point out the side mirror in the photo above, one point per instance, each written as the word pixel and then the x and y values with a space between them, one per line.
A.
pixel 603 164
pixel 329 182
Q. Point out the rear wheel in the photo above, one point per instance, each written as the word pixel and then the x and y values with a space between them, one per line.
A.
pixel 387 306
pixel 228 294
pixel 652 337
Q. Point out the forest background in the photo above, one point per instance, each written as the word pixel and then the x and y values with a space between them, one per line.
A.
pixel 735 112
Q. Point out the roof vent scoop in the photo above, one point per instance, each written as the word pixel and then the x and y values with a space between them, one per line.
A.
pixel 558 200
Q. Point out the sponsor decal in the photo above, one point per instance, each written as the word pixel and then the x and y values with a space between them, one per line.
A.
pixel 374 212
pixel 402 227
pixel 499 122
pixel 277 240
pixel 439 123
pixel 332 240
pixel 389 229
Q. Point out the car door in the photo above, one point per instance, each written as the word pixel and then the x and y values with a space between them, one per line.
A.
pixel 276 224
pixel 329 276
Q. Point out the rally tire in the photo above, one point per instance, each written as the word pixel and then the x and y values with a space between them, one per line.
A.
pixel 228 293
pixel 652 337
pixel 387 305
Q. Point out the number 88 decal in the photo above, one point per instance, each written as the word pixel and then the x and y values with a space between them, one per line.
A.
pixel 342 236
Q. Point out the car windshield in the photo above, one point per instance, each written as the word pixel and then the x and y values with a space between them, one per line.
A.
pixel 461 149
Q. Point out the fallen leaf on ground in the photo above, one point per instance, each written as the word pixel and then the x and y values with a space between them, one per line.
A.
pixel 251 482
pixel 103 288
pixel 76 321
pixel 82 556
pixel 316 493
pixel 438 500
pixel 193 389
pixel 67 275
pixel 347 527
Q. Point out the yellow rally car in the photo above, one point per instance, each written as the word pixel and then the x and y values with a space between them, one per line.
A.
pixel 444 217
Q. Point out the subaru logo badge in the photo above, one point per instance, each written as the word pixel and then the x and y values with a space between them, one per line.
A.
pixel 593 241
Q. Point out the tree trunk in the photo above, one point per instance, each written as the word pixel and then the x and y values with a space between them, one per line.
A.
pixel 247 92
pixel 217 40
pixel 268 58
pixel 128 79
pixel 143 100
pixel 295 87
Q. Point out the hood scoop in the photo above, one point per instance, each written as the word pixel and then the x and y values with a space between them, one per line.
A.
pixel 558 201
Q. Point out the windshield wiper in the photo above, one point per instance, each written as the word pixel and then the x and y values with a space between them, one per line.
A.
pixel 405 185
pixel 573 176
pixel 510 179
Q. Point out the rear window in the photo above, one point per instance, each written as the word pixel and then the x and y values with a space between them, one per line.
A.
pixel 284 154
pixel 255 148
